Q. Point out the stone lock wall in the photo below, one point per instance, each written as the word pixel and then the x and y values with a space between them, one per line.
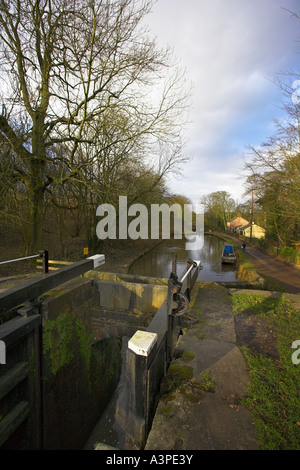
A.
pixel 80 372
pixel 79 375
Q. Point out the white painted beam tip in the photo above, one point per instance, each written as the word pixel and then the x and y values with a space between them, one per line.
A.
pixel 142 342
pixel 98 260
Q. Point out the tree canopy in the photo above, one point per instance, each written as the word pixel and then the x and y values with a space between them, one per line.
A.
pixel 82 98
pixel 274 177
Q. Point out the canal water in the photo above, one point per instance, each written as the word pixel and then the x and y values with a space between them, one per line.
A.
pixel 158 263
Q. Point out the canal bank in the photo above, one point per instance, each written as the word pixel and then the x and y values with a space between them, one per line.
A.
pixel 276 273
pixel 158 262
pixel 77 302
pixel 202 399
pixel 200 407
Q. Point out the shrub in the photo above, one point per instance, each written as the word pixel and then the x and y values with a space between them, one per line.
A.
pixel 290 254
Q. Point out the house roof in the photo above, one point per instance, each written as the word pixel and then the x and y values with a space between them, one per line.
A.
pixel 239 219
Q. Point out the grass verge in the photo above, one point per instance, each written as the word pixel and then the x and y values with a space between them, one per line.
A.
pixel 273 394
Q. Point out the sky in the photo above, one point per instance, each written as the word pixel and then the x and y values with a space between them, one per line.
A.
pixel 232 51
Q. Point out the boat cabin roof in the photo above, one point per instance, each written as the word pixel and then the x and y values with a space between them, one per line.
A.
pixel 228 249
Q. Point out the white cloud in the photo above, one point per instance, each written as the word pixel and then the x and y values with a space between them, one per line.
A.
pixel 231 50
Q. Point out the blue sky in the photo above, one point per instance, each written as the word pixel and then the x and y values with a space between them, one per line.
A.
pixel 232 51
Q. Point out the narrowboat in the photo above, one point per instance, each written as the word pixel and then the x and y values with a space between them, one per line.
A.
pixel 228 254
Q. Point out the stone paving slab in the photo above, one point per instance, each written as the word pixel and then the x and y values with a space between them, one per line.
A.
pixel 205 412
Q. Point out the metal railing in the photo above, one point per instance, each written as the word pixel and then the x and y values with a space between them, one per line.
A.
pixel 19 259
pixel 41 254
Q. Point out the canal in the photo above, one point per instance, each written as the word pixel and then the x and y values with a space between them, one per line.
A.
pixel 158 263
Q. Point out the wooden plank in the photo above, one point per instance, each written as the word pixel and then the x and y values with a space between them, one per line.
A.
pixel 13 377
pixel 66 263
pixel 12 421
pixel 49 268
pixel 14 329
pixel 34 288
pixel 40 261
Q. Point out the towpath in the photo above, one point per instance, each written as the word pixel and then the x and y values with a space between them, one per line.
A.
pixel 201 406
pixel 284 273
pixel 205 411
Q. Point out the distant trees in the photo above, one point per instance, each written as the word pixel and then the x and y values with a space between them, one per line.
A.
pixel 83 107
pixel 219 208
pixel 274 177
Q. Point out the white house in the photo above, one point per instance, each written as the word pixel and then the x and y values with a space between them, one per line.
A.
pixel 257 231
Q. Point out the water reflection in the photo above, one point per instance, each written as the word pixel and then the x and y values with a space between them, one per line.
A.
pixel 158 262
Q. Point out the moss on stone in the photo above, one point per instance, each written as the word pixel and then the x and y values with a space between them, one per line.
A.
pixel 165 410
pixel 187 356
pixel 181 372
pixel 193 391
pixel 208 385
pixel 60 337
pixel 57 340
pixel 177 375
pixel 85 341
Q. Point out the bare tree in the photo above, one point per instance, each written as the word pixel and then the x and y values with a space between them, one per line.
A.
pixel 66 64
pixel 274 176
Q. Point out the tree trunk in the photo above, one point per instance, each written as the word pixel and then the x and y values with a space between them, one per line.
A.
pixel 36 186
pixel 36 221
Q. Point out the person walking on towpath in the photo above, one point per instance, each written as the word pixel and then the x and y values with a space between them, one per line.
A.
pixel 244 247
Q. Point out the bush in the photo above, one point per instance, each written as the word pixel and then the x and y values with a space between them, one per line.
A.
pixel 262 243
pixel 290 254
